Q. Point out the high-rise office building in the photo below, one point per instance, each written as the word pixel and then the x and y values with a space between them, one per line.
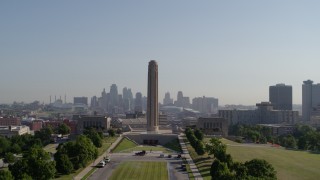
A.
pixel 80 100
pixel 114 96
pixel 167 100
pixel 138 102
pixel 280 97
pixel 310 98
pixel 179 101
pixel 205 104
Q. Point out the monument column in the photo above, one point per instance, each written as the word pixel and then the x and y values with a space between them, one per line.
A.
pixel 152 102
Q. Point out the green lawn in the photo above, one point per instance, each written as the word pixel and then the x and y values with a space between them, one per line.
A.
pixel 123 145
pixel 107 141
pixel 289 164
pixel 127 146
pixel 140 171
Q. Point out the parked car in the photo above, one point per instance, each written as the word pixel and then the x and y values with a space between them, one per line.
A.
pixel 169 156
pixel 184 167
pixel 106 159
pixel 142 153
pixel 101 164
pixel 162 155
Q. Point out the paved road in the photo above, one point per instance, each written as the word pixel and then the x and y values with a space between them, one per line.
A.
pixel 174 165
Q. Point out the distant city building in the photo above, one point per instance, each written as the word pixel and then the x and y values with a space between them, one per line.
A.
pixel 94 102
pixel 205 104
pixel 127 99
pixel 10 121
pixel 186 102
pixel 213 126
pixel 80 100
pixel 310 98
pixel 36 125
pixel 179 101
pixel 280 129
pixel 264 114
pixel 167 100
pixel 114 96
pixel 9 131
pixel 138 102
pixel 280 97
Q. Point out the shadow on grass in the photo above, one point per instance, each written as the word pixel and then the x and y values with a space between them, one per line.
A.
pixel 204 165
pixel 200 160
pixel 206 175
pixel 204 170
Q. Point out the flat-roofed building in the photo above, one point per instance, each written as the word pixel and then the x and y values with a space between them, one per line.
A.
pixel 10 121
pixel 264 114
pixel 85 121
pixel 9 131
pixel 213 126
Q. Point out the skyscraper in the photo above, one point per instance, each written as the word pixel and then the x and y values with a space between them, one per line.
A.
pixel 280 97
pixel 167 100
pixel 114 97
pixel 152 102
pixel 310 98
pixel 138 102
pixel 179 101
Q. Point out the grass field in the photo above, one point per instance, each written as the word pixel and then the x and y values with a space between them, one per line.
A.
pixel 289 164
pixel 123 145
pixel 127 146
pixel 140 171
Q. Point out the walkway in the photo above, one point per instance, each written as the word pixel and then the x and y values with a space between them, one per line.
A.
pixel 100 158
pixel 193 167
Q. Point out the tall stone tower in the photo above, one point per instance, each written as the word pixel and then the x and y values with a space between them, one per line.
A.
pixel 152 104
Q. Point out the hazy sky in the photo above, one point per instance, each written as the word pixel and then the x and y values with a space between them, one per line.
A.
pixel 231 50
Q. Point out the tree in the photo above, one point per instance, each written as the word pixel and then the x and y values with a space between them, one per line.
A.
pixel 217 148
pixel 79 152
pixel 111 132
pixel 9 158
pixel 199 134
pixel 260 168
pixel 199 147
pixel 36 163
pixel 94 136
pixel 6 175
pixel 44 135
pixel 63 129
pixel 241 171
pixel 63 164
pixel 15 148
pixel 220 170
pixel 302 143
pixel 4 145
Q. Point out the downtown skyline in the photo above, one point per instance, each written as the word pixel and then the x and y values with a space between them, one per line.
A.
pixel 231 50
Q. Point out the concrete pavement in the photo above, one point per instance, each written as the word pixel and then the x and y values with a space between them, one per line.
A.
pixel 193 167
pixel 89 167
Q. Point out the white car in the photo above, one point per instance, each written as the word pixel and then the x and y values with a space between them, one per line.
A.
pixel 101 164
pixel 107 160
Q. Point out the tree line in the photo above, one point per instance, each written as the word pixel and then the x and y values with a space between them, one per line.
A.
pixel 38 164
pixel 303 137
